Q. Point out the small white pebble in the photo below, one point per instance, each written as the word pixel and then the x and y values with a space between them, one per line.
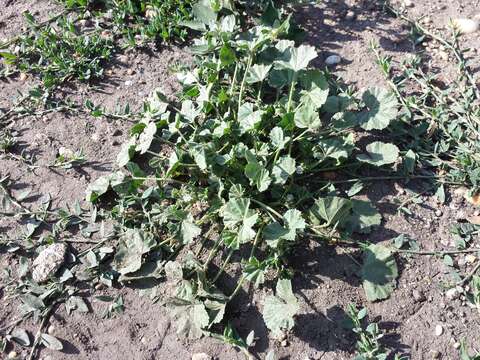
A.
pixel 466 26
pixel 51 329
pixel 408 3
pixel 201 356
pixel 12 354
pixel 333 60
pixel 438 330
pixel 128 83
pixel 350 15
pixel 456 345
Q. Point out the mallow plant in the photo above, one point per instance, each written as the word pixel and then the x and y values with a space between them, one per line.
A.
pixel 234 172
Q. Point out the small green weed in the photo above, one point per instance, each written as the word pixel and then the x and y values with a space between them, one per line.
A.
pixel 59 52
pixel 368 344
pixel 439 123
pixel 141 21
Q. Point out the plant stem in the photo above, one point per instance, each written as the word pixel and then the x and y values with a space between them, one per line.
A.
pixel 237 288
pixel 290 94
pixel 398 177
pixel 242 86
pixel 437 252
pixel 268 208
pixel 212 253
pixel 220 271
pixel 469 275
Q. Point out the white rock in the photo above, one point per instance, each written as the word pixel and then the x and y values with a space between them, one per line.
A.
pixel 452 294
pixel 333 60
pixel 128 83
pixel 470 259
pixel 48 262
pixel 12 355
pixel 466 26
pixel 456 345
pixel 438 330
pixel 350 15
pixel 408 3
pixel 201 356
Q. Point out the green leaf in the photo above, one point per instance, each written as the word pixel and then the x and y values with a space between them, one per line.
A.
pixel 146 138
pixel 382 107
pixel 280 309
pixel 51 342
pixel 197 151
pixel 97 188
pixel 189 231
pixel 191 318
pixel 333 148
pixel 133 244
pixel 329 210
pixel 257 174
pixel 379 271
pixel 248 118
pixel 307 117
pixel 280 78
pixel 379 153
pixel 203 11
pixel 227 55
pixel 258 73
pixel 297 58
pixel 76 303
pixel 126 152
pixel 20 336
pixel 282 170
pixel 316 89
pixel 278 140
pixel 254 271
pixel 238 215
pixel 363 217
pixel 292 222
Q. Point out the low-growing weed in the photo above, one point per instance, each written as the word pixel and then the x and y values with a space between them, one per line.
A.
pixel 368 343
pixel 59 52
pixel 236 166
pixel 438 125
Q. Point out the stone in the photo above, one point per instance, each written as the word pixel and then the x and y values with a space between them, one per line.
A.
pixel 408 3
pixel 48 262
pixel 418 296
pixel 452 294
pixel 201 356
pixel 470 259
pixel 350 15
pixel 333 60
pixel 51 329
pixel 12 354
pixel 438 330
pixel 456 345
pixel 438 213
pixel 466 26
